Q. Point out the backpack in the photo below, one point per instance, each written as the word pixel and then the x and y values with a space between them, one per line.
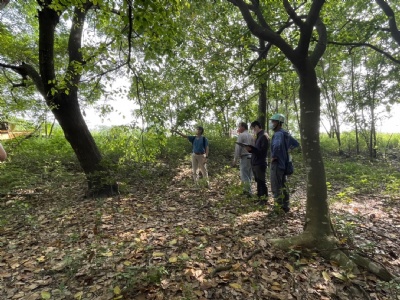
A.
pixel 289 168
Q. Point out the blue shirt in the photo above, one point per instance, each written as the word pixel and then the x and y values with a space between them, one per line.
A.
pixel 199 143
pixel 278 148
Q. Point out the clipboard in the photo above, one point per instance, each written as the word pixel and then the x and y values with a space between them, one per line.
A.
pixel 243 144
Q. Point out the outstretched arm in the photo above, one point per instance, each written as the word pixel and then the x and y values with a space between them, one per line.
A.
pixel 179 133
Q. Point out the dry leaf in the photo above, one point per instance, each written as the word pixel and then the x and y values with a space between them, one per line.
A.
pixel 117 290
pixel 158 254
pixel 173 259
pixel 236 286
pixel 326 276
pixel 184 256
pixel 45 295
pixel 339 276
pixel 289 267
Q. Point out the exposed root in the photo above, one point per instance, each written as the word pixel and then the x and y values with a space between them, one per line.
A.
pixel 371 266
pixel 327 247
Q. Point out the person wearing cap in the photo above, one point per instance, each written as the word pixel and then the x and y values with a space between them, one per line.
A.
pixel 259 152
pixel 281 142
pixel 3 153
pixel 199 152
pixel 241 154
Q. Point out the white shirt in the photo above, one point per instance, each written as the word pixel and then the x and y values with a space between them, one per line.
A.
pixel 246 138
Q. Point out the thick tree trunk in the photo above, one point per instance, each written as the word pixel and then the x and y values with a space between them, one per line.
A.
pixel 63 102
pixel 69 116
pixel 318 233
pixel 262 94
pixel 318 221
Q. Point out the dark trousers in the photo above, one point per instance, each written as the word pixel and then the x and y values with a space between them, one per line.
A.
pixel 279 187
pixel 259 173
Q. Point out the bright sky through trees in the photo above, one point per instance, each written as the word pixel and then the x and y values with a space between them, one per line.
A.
pixel 122 115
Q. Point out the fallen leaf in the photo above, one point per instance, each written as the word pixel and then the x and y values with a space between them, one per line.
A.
pixel 184 256
pixel 41 258
pixel 326 276
pixel 173 259
pixel 339 276
pixel 117 290
pixel 45 295
pixel 289 267
pixel 236 286
pixel 158 254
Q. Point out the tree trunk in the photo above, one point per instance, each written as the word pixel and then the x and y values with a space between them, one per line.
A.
pixel 262 104
pixel 262 94
pixel 76 132
pixel 317 211
pixel 63 102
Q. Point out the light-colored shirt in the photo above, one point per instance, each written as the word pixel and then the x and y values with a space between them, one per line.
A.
pixel 246 138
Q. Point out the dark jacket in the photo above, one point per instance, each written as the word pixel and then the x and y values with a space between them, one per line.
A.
pixel 279 151
pixel 259 151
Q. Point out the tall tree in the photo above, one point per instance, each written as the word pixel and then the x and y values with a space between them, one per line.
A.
pixel 64 57
pixel 304 54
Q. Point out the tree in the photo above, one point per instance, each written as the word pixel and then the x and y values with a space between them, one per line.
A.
pixel 318 232
pixel 63 59
pixel 206 77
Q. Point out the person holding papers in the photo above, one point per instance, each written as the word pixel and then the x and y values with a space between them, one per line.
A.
pixel 259 154
pixel 241 154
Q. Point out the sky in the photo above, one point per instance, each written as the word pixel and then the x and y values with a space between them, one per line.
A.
pixel 122 115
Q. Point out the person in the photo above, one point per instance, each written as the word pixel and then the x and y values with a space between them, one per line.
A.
pixel 244 156
pixel 259 161
pixel 200 152
pixel 281 143
pixel 3 153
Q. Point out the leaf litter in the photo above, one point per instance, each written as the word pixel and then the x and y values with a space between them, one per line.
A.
pixel 172 240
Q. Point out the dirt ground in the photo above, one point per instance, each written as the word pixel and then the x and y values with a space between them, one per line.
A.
pixel 166 239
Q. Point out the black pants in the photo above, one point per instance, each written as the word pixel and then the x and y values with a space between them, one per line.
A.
pixel 259 173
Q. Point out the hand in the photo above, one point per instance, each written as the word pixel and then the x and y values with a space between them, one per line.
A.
pixel 248 148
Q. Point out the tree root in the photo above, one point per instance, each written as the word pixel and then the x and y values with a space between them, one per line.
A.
pixel 373 267
pixel 327 247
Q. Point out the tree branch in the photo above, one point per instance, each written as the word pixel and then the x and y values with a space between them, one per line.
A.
pixel 26 70
pixel 256 9
pixel 292 13
pixel 357 45
pixel 307 29
pixel 264 33
pixel 75 44
pixel 320 48
pixel 392 19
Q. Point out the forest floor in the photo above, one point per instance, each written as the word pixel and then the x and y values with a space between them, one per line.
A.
pixel 163 238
